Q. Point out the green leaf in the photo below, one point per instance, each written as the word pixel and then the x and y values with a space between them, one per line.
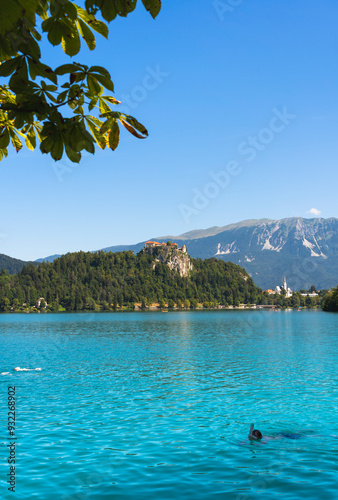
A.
pixel 92 103
pixel 86 34
pixel 114 136
pixel 106 82
pixel 51 97
pixel 71 41
pixel 77 138
pixel 91 6
pixel 72 104
pixel 66 68
pixel 37 129
pixel 57 149
pixel 19 80
pixel 55 33
pixel 42 9
pixel 36 34
pixel 108 10
pixel 114 114
pixel 4 139
pixel 47 24
pixel 12 12
pixel 31 139
pixel 32 48
pixel 99 69
pixel 111 99
pixel 95 120
pixel 19 120
pixel 61 97
pixel 94 87
pixel 106 126
pixel 47 144
pixel 89 146
pixel 104 108
pixel 74 156
pixel 50 88
pixel 94 129
pixel 152 6
pixel 131 129
pixel 100 27
pixel 3 153
pixel 32 71
pixel 37 68
pixel 124 7
pixel 15 141
pixel 134 123
pixel 96 25
pixel 71 10
pixel 8 67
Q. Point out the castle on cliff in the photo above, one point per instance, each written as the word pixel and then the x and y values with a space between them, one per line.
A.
pixel 156 244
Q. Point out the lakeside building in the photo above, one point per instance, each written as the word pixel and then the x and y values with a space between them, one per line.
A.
pixel 38 302
pixel 278 289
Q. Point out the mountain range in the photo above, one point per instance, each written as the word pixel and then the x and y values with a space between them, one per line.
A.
pixel 305 251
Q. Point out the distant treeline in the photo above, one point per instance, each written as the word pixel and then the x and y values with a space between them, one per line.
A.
pixel 115 281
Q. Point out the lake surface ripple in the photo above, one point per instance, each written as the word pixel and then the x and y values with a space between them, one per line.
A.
pixel 158 406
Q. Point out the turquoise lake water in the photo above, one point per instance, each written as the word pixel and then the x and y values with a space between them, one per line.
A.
pixel 158 406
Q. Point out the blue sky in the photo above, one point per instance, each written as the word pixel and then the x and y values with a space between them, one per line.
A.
pixel 263 73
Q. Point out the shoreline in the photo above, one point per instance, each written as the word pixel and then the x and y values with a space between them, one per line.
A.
pixel 228 309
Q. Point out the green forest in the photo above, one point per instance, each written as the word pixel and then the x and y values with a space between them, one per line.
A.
pixel 105 281
pixel 13 266
pixel 330 303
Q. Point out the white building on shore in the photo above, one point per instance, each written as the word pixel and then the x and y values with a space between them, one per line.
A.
pixel 285 287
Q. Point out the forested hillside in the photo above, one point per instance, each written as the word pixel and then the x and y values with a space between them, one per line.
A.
pixel 105 280
pixel 330 303
pixel 10 264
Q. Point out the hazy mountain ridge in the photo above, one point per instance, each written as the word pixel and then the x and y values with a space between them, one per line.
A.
pixel 305 250
pixel 11 264
pixel 50 258
pixel 212 231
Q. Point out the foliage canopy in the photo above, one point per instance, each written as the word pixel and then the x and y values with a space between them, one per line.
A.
pixel 331 301
pixel 32 100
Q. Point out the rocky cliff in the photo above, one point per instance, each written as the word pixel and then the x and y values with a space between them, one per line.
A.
pixel 175 259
